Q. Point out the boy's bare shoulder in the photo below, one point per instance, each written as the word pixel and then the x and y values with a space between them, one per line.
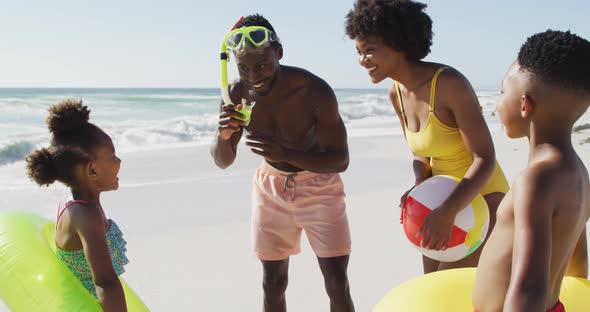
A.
pixel 550 173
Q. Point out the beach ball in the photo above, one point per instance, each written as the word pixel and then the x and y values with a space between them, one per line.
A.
pixel 471 224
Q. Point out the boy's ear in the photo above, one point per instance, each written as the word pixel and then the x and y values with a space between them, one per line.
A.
pixel 280 52
pixel 527 106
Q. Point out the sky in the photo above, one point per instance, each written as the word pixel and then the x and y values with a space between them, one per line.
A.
pixel 175 43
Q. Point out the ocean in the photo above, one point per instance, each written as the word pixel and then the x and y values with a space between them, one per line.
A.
pixel 147 119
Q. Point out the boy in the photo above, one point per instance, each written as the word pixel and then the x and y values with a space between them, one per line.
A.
pixel 544 215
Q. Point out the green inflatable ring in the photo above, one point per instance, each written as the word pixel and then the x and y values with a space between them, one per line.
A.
pixel 32 278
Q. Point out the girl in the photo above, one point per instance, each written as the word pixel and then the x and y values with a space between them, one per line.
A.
pixel 438 109
pixel 82 157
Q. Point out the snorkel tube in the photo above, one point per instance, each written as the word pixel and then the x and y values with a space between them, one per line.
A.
pixel 244 107
pixel 224 59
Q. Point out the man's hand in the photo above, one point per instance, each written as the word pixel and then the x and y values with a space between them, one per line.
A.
pixel 228 124
pixel 267 148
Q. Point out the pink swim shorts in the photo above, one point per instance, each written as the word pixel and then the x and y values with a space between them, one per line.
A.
pixel 284 203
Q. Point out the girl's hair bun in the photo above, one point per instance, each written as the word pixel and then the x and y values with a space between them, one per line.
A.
pixel 67 116
pixel 41 167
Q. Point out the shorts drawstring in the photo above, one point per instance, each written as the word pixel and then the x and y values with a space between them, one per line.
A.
pixel 290 177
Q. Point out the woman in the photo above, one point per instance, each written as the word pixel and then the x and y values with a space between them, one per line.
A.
pixel 438 109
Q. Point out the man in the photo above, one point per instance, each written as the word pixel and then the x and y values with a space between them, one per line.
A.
pixel 296 128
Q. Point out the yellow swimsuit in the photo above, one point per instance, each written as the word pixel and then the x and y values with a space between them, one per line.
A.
pixel 445 147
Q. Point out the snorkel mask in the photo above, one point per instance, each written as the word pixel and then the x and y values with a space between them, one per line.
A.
pixel 256 35
pixel 235 40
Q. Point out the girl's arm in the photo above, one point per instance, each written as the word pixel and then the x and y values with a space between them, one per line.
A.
pixel 93 237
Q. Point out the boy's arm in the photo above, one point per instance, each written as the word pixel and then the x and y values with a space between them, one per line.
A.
pixel 578 265
pixel 534 204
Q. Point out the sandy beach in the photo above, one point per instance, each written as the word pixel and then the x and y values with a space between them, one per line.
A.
pixel 187 224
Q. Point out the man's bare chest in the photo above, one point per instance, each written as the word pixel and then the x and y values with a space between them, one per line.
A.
pixel 291 123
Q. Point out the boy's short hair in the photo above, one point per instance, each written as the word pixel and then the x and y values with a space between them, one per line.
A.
pixel 403 25
pixel 558 58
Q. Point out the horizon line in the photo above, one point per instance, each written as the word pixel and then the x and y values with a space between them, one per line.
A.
pixel 483 88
